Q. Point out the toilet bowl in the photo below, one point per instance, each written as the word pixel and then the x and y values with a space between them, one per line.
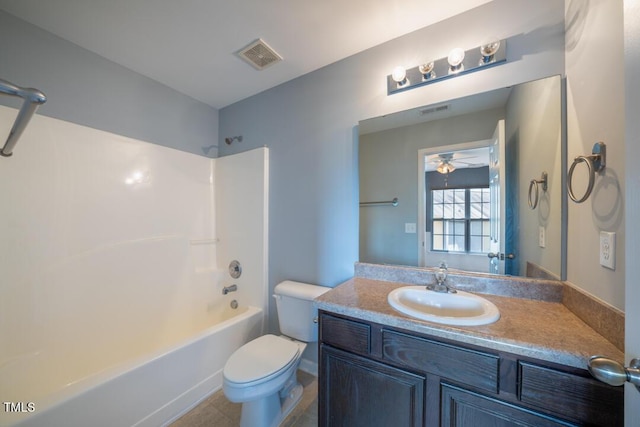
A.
pixel 262 373
pixel 262 376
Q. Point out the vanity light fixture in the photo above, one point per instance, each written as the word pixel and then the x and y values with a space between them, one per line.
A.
pixel 458 62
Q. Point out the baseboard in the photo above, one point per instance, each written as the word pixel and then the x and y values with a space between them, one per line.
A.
pixel 309 367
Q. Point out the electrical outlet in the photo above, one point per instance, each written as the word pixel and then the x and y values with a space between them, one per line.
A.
pixel 608 249
pixel 542 238
pixel 410 227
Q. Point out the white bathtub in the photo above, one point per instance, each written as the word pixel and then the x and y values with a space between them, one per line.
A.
pixel 147 390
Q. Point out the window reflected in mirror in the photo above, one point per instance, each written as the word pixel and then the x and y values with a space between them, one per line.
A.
pixel 460 220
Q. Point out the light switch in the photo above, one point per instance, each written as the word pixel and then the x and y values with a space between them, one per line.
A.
pixel 542 238
pixel 608 249
pixel 410 227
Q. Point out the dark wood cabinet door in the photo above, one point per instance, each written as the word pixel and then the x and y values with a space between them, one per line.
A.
pixel 462 408
pixel 355 391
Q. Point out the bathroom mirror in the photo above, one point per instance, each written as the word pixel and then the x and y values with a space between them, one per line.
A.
pixel 476 182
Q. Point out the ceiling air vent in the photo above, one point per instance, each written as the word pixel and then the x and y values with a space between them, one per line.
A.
pixel 259 55
pixel 436 109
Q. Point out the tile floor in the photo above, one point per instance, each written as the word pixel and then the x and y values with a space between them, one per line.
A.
pixel 217 411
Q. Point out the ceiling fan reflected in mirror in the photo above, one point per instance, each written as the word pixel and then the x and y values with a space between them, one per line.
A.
pixel 445 167
pixel 448 162
pixel 445 163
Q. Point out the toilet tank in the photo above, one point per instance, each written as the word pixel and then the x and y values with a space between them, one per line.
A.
pixel 296 312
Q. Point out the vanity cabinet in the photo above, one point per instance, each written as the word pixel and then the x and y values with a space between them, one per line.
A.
pixel 374 375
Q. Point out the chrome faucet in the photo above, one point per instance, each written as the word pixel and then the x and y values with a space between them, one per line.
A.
pixel 441 277
pixel 228 289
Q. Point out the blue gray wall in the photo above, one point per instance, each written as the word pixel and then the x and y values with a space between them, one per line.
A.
pixel 310 126
pixel 87 89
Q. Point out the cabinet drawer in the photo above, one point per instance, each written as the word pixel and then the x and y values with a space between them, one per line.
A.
pixel 571 396
pixel 345 334
pixel 464 366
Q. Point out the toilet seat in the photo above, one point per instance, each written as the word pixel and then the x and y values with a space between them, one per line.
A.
pixel 260 360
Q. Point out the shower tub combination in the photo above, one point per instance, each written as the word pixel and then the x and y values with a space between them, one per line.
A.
pixel 111 307
pixel 147 390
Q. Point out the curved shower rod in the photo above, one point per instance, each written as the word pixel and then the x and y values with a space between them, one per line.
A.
pixel 33 98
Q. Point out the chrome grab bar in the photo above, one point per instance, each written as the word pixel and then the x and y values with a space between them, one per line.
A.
pixel 393 203
pixel 33 98
pixel 534 184
pixel 596 162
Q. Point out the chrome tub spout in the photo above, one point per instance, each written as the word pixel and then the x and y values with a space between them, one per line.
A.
pixel 228 289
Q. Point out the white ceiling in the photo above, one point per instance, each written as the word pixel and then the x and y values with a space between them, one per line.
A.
pixel 190 45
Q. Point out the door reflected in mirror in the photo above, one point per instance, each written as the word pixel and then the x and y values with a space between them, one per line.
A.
pixel 461 171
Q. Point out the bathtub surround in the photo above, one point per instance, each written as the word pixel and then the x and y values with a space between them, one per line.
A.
pixel 242 223
pixel 114 253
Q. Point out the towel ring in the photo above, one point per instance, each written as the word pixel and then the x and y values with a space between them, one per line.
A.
pixel 534 184
pixel 595 163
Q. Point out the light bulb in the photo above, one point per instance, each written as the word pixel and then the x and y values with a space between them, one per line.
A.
pixel 426 70
pixel 488 50
pixel 455 58
pixel 399 75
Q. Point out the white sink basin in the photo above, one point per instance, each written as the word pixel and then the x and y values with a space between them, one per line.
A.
pixel 459 309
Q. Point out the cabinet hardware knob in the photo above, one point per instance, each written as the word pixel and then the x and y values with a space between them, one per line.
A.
pixel 613 373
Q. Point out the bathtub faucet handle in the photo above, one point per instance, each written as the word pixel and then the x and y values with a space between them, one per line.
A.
pixel 228 289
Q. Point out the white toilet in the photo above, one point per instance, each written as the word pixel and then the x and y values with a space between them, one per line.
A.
pixel 262 373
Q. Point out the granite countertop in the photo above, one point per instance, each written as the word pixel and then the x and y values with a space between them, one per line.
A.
pixel 532 328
